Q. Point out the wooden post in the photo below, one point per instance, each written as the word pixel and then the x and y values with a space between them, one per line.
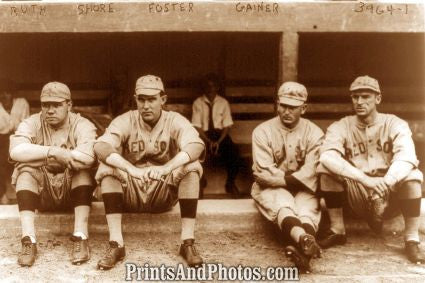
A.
pixel 288 57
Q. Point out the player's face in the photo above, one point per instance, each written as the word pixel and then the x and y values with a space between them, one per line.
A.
pixel 290 115
pixel 150 106
pixel 55 113
pixel 365 102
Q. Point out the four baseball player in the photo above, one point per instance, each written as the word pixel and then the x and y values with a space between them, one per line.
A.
pixel 149 161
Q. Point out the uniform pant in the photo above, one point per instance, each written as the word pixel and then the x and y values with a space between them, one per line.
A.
pixel 54 188
pixel 156 197
pixel 303 204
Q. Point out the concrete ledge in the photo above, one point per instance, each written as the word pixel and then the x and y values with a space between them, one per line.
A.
pixel 213 216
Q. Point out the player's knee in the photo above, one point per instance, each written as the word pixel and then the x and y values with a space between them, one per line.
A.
pixel 81 195
pixel 189 186
pixel 110 184
pixel 25 181
pixel 27 200
pixel 329 183
pixel 409 190
pixel 82 178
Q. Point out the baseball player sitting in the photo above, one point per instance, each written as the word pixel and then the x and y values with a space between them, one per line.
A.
pixel 370 159
pixel 149 162
pixel 53 151
pixel 212 117
pixel 285 154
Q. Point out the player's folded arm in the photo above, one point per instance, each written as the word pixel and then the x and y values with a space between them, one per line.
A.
pixel 103 150
pixel 334 162
pixel 25 151
pixel 262 154
pixel 194 150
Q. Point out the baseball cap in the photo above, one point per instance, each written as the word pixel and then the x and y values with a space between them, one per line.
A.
pixel 55 92
pixel 365 82
pixel 292 93
pixel 149 85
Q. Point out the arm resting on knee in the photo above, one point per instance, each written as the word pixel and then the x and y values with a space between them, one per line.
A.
pixel 334 162
pixel 194 150
pixel 28 152
pixel 397 172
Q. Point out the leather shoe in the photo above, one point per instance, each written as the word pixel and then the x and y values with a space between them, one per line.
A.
pixel 28 252
pixel 301 261
pixel 308 246
pixel 412 252
pixel 114 254
pixel 80 250
pixel 190 254
pixel 332 239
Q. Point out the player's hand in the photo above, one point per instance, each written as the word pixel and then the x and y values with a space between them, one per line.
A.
pixel 378 185
pixel 268 179
pixel 157 172
pixel 138 173
pixel 61 155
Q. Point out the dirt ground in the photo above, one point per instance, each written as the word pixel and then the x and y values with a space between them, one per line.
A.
pixel 364 258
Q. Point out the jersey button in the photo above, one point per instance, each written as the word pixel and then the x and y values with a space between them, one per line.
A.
pixel 371 156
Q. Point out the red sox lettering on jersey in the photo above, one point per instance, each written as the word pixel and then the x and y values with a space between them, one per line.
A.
pixel 372 148
pixel 141 145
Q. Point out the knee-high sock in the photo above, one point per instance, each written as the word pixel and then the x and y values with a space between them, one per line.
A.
pixel 411 209
pixel 188 200
pixel 28 202
pixel 409 194
pixel 334 201
pixel 112 194
pixel 81 219
pixel 290 225
pixel 81 201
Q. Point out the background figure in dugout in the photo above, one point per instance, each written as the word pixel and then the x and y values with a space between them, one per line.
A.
pixel 12 112
pixel 212 118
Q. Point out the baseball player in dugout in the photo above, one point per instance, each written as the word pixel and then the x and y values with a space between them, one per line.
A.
pixel 53 151
pixel 369 160
pixel 149 162
pixel 285 154
pixel 212 117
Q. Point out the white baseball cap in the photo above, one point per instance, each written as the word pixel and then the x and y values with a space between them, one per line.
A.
pixel 292 93
pixel 365 82
pixel 55 92
pixel 149 85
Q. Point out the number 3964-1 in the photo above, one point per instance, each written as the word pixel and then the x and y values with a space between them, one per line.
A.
pixel 374 8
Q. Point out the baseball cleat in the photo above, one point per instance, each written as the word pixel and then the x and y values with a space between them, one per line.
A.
pixel 308 246
pixel 376 207
pixel 301 261
pixel 190 254
pixel 332 239
pixel 413 253
pixel 80 250
pixel 28 252
pixel 113 255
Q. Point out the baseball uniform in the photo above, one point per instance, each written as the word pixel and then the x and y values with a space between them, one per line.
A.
pixel 294 151
pixel 54 183
pixel 142 147
pixel 372 149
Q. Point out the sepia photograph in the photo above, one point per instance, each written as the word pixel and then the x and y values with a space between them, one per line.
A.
pixel 212 141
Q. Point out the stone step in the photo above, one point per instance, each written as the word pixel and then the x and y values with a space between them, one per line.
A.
pixel 213 216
